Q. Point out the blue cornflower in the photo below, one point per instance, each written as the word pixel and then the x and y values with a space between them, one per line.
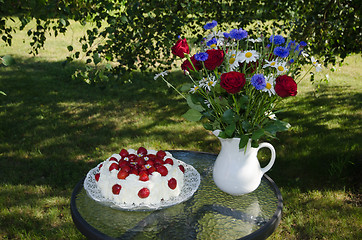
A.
pixel 258 81
pixel 238 34
pixel 226 35
pixel 210 25
pixel 303 44
pixel 277 39
pixel 212 42
pixel 201 56
pixel 291 44
pixel 281 52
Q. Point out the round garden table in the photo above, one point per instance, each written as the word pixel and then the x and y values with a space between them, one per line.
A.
pixel 209 214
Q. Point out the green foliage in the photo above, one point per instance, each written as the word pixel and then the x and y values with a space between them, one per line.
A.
pixel 138 34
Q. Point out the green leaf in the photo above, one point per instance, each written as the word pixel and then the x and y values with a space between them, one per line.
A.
pixel 186 87
pixel 192 105
pixel 223 135
pixel 246 126
pixel 243 141
pixel 208 126
pixel 96 58
pixel 276 126
pixel 230 129
pixel 192 115
pixel 257 134
pixel 254 144
pixel 228 116
pixel 216 125
pixel 8 60
pixel 63 22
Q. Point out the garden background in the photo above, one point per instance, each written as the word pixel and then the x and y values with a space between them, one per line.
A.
pixel 82 87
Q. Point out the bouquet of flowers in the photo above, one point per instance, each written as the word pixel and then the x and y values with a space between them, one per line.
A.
pixel 236 81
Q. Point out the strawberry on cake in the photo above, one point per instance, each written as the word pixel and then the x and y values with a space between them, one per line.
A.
pixel 140 177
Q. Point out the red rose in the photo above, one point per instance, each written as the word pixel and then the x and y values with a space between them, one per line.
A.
pixel 215 59
pixel 180 48
pixel 285 86
pixel 186 65
pixel 232 82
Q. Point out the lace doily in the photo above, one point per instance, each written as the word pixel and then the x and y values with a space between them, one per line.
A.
pixel 191 184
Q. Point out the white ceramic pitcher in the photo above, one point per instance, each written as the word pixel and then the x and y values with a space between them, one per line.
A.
pixel 237 171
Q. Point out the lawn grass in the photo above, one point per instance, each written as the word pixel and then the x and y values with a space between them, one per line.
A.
pixel 53 130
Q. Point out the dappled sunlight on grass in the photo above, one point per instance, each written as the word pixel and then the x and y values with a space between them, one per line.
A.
pixel 54 130
pixel 35 212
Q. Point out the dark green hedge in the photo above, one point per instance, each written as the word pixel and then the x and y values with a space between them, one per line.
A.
pixel 140 33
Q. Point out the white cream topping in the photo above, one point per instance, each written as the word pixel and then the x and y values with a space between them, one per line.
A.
pixel 157 184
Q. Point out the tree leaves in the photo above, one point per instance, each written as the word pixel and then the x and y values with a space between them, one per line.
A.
pixel 142 32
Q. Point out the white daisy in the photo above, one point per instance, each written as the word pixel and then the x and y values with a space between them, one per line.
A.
pixel 219 38
pixel 271 115
pixel 318 67
pixel 271 63
pixel 207 103
pixel 160 74
pixel 194 89
pixel 255 40
pixel 304 54
pixel 281 68
pixel 249 56
pixel 207 83
pixel 234 59
pixel 269 87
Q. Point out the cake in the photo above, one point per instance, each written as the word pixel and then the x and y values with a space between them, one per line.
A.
pixel 140 177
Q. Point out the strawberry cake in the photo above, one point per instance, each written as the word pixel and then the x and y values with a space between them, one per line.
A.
pixel 136 177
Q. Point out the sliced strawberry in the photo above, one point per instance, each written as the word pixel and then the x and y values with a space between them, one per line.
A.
pixel 133 171
pixel 97 176
pixel 141 161
pixel 144 176
pixel 150 162
pixel 161 154
pixel 124 153
pixel 142 168
pixel 144 192
pixel 132 157
pixel 182 168
pixel 122 163
pixel 162 170
pixel 116 189
pixel 100 166
pixel 151 170
pixel 172 183
pixel 169 161
pixel 113 159
pixel 152 156
pixel 113 166
pixel 122 174
pixel 159 161
pixel 142 151
pixel 125 168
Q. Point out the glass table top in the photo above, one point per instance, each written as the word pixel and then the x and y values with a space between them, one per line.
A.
pixel 209 214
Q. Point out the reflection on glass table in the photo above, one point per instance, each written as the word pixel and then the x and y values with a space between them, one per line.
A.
pixel 209 214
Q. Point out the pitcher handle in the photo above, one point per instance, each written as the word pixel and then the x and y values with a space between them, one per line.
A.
pixel 272 159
